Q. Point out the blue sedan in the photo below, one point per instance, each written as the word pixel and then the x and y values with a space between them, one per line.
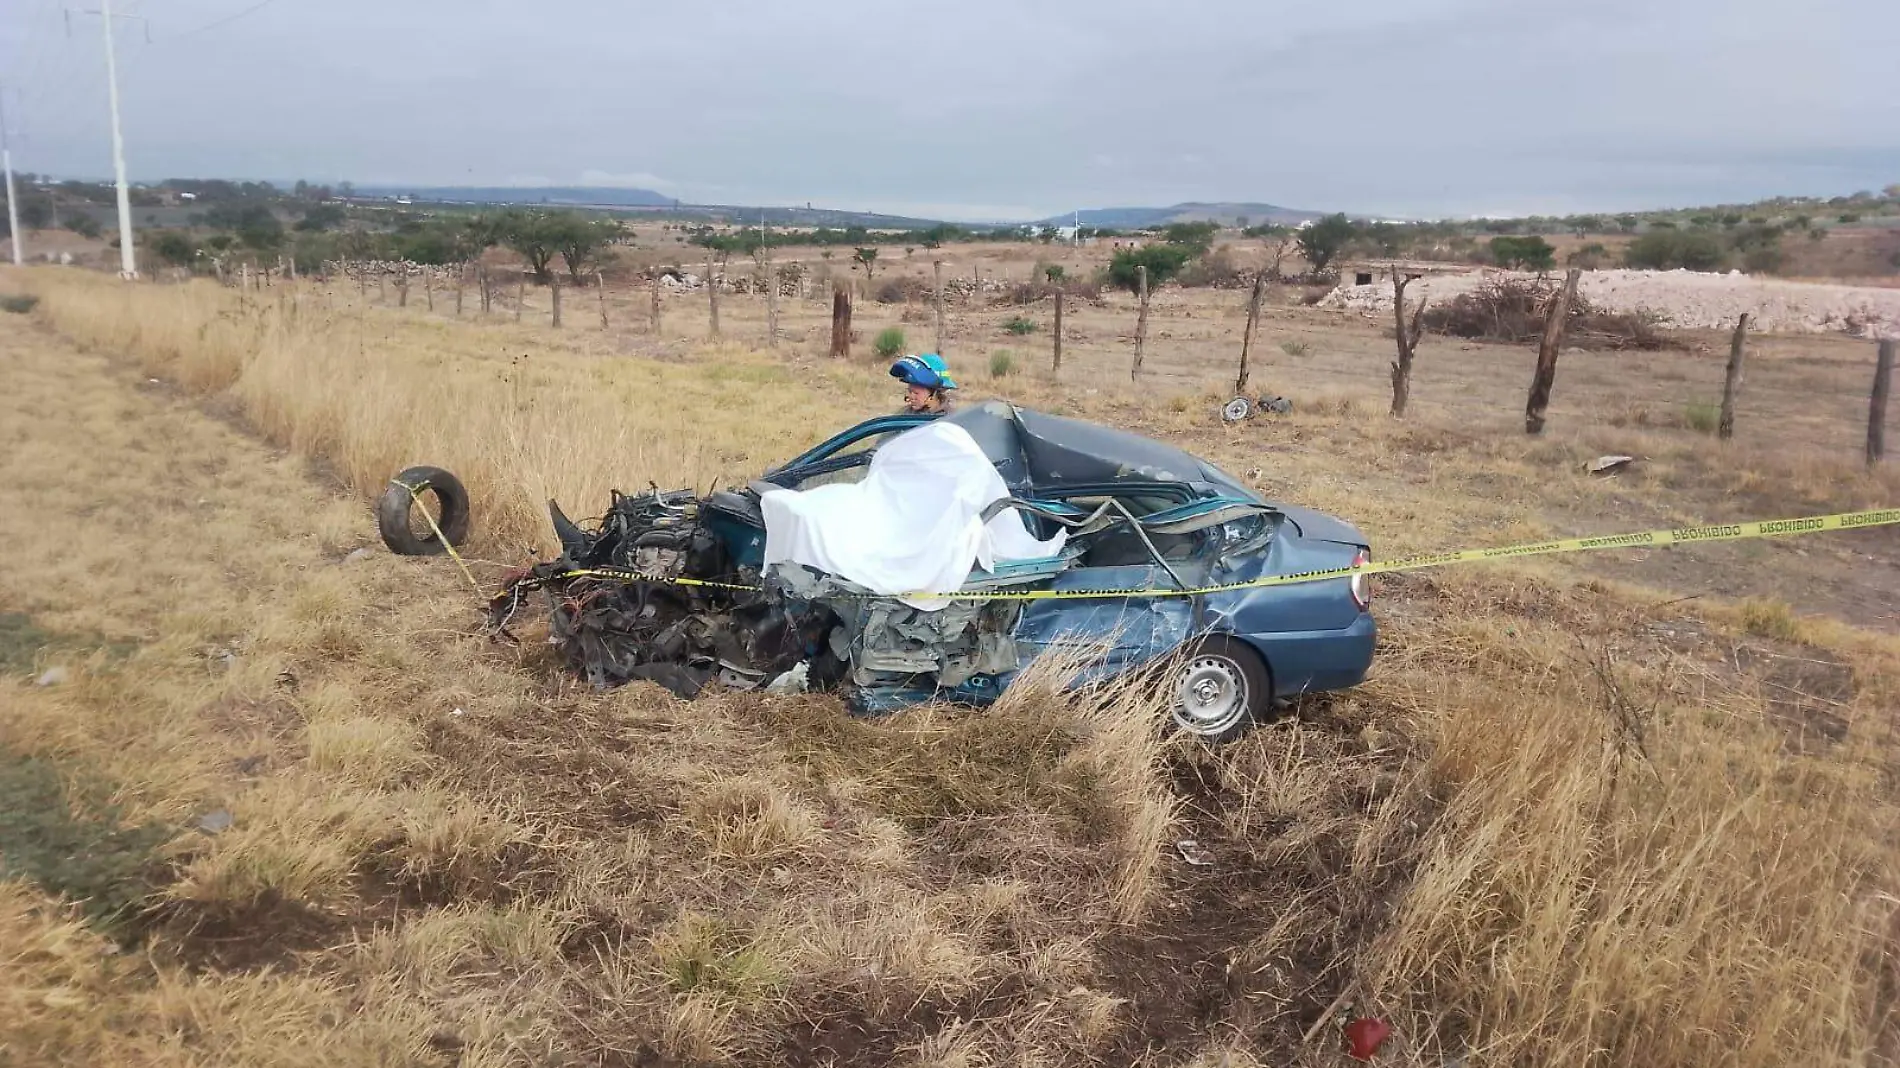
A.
pixel 1143 516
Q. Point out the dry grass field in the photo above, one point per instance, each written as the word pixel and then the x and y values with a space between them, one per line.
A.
pixel 287 808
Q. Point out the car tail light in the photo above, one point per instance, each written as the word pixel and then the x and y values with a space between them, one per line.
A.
pixel 1361 585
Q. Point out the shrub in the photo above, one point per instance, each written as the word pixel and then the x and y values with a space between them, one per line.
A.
pixel 1002 363
pixel 890 343
pixel 1524 253
pixel 1217 268
pixel 1769 618
pixel 1163 262
pixel 1850 217
pixel 1294 347
pixel 1702 416
pixel 1666 250
pixel 1054 273
pixel 1767 259
pixel 85 226
pixel 19 303
pixel 1198 236
pixel 1590 257
pixel 1019 326
pixel 174 247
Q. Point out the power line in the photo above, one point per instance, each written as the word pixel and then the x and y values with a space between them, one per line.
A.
pixel 228 19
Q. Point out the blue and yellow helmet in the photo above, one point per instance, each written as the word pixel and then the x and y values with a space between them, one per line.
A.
pixel 927 370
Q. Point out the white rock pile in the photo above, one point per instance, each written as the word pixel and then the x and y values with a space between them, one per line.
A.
pixel 1682 299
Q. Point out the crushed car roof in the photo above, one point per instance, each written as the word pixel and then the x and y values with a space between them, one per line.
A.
pixel 1037 451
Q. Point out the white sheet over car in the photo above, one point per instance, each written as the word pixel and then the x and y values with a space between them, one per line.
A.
pixel 913 524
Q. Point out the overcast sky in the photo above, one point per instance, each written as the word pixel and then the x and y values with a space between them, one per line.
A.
pixel 988 109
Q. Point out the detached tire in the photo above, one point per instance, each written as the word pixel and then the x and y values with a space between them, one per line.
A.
pixel 399 527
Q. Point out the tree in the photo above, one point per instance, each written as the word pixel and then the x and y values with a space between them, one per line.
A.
pixel 478 233
pixel 321 217
pixel 1628 223
pixel 1666 250
pixel 865 258
pixel 1163 262
pixel 84 225
pixel 1585 225
pixel 1892 192
pixel 1048 234
pixel 581 242
pixel 535 235
pixel 1197 237
pixel 1321 242
pixel 172 246
pixel 35 214
pixel 1240 222
pixel 1524 253
pixel 1385 237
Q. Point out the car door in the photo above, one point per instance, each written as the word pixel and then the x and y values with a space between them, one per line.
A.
pixel 1114 633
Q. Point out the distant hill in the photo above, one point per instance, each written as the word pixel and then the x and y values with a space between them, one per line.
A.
pixel 1226 214
pixel 610 198
pixel 564 195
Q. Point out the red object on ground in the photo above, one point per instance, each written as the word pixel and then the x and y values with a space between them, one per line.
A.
pixel 1364 1036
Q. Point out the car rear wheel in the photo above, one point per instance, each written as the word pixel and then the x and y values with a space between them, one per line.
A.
pixel 1219 689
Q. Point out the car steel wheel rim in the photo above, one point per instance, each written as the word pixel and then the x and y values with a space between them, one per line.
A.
pixel 1211 696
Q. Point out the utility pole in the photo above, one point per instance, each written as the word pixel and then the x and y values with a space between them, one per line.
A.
pixel 128 265
pixel 13 198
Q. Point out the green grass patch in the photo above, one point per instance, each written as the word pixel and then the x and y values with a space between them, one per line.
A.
pixel 63 834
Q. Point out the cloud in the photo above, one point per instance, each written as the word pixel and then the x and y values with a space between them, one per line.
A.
pixel 1047 106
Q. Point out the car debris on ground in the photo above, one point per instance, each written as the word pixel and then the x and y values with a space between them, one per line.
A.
pixel 914 558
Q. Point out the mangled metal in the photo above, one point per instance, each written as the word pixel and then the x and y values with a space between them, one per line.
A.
pixel 671 587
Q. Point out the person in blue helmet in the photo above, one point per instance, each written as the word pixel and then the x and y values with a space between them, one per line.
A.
pixel 927 383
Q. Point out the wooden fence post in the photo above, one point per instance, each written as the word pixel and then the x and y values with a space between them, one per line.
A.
pixel 656 300
pixel 1877 406
pixel 1733 381
pixel 1141 321
pixel 771 307
pixel 936 269
pixel 460 278
pixel 1056 368
pixel 402 289
pixel 1408 343
pixel 521 295
pixel 428 290
pixel 712 295
pixel 600 289
pixel 1246 338
pixel 554 296
pixel 840 320
pixel 1547 353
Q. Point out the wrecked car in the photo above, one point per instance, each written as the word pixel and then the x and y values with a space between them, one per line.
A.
pixel 1057 534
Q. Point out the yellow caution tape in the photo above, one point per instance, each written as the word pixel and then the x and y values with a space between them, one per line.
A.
pixel 1776 528
pixel 415 500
